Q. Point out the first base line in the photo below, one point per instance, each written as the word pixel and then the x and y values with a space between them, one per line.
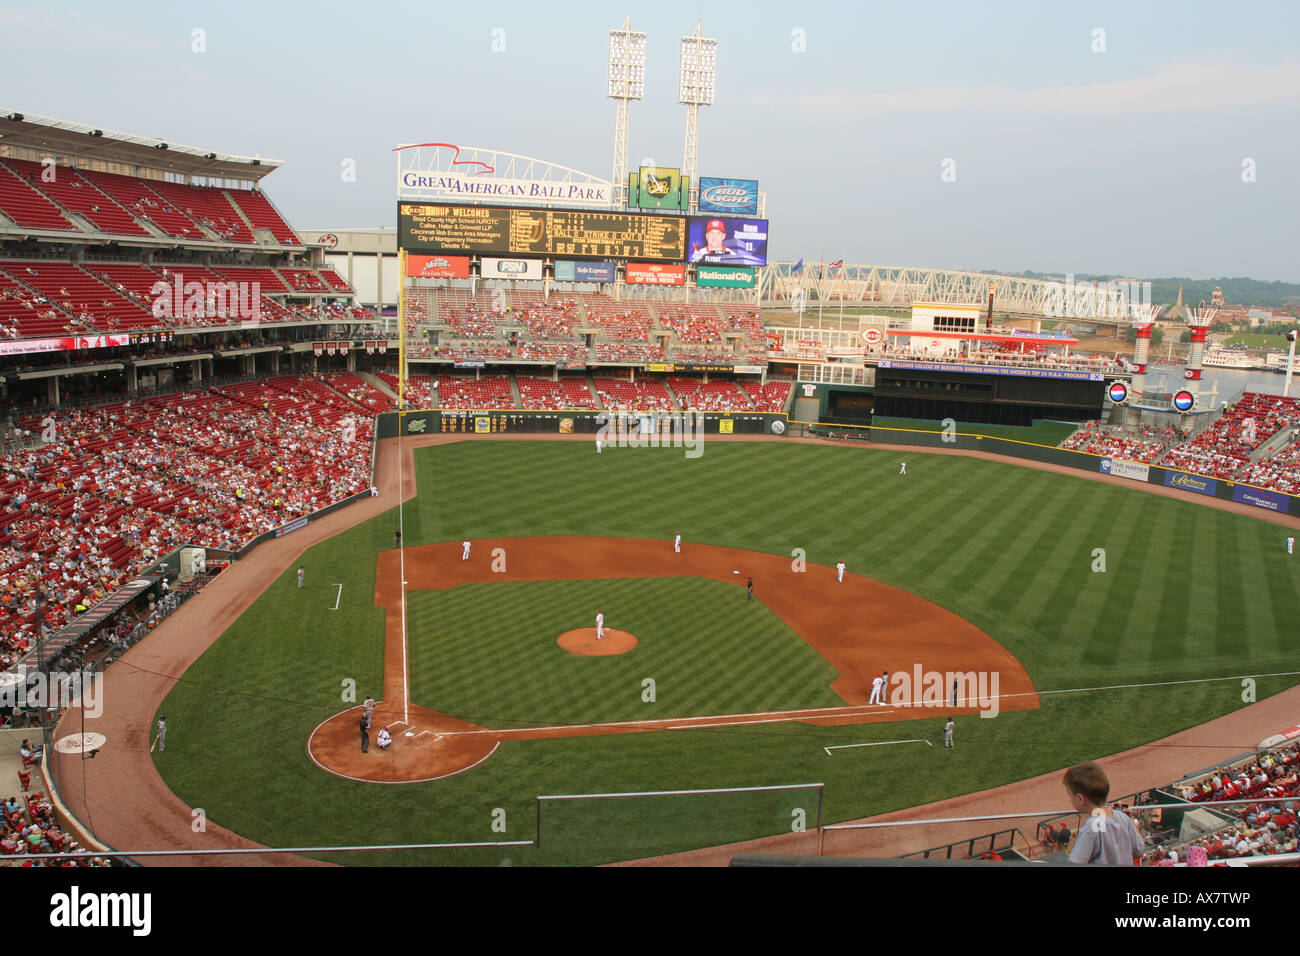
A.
pixel 879 743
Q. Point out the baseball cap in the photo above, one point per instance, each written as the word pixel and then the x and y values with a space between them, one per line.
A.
pixel 717 224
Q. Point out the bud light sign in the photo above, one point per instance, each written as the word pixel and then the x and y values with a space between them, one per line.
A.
pixel 739 197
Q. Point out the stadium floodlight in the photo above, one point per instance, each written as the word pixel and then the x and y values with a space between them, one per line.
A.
pixel 699 70
pixel 695 88
pixel 626 83
pixel 626 63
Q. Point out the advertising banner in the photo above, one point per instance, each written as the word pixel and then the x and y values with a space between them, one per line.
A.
pixel 991 370
pixel 482 425
pixel 658 187
pixel 723 277
pixel 727 242
pixel 1125 469
pixel 748 369
pixel 659 367
pixel 63 345
pixel 569 271
pixel 437 267
pixel 1262 499
pixel 731 197
pixel 511 268
pixel 645 273
pixel 469 364
pixel 474 185
pixel 1180 479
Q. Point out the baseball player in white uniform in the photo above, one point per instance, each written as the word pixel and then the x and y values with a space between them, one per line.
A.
pixel 877 685
pixel 839 569
pixel 301 575
pixel 902 470
pixel 600 625
pixel 947 735
pixel 1290 544
pixel 677 543
pixel 464 554
pixel 599 446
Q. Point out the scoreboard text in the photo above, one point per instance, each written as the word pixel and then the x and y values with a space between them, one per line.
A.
pixel 498 230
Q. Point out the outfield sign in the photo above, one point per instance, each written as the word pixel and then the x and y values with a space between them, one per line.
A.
pixel 1260 498
pixel 658 187
pixel 566 270
pixel 646 273
pixel 736 197
pixel 437 267
pixel 719 277
pixel 479 185
pixel 1125 469
pixel 991 370
pixel 511 268
pixel 1181 479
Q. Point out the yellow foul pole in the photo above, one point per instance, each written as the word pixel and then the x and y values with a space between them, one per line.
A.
pixel 401 330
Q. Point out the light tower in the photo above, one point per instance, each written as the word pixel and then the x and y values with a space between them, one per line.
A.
pixel 626 83
pixel 699 66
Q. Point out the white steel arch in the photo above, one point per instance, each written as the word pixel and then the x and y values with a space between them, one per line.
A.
pixel 446 172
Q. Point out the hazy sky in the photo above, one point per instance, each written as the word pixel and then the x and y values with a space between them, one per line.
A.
pixel 1127 161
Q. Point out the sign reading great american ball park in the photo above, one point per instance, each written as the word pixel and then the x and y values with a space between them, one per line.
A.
pixel 469 187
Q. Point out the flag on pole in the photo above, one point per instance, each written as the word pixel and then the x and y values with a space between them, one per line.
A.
pixel 798 267
pixel 835 266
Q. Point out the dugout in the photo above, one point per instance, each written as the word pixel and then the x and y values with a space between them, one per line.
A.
pixel 994 399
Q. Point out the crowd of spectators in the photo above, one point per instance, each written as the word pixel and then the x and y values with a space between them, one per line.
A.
pixel 1146 445
pixel 122 485
pixel 1223 449
pixel 1265 827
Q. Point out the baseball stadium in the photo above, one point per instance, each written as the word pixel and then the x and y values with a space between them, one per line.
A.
pixel 564 526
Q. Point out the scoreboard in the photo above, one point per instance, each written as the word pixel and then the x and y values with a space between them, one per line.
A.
pixel 504 230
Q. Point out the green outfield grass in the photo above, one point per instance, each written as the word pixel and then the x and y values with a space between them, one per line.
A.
pixel 1042 432
pixel 1188 593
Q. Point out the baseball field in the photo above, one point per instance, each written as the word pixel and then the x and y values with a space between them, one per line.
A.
pixel 1113 616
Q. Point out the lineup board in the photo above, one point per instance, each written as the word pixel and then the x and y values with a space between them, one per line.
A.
pixel 504 230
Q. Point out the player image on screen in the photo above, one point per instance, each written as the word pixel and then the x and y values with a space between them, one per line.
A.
pixel 717 248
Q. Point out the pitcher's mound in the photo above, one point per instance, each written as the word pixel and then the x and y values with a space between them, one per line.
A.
pixel 583 641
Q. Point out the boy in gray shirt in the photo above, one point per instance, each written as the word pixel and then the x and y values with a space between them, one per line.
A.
pixel 1107 836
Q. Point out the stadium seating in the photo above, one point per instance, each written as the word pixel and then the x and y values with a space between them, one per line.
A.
pixel 645 395
pixel 717 396
pixel 206 206
pixel 263 215
pixel 145 204
pixel 78 195
pixel 570 391
pixel 460 391
pixel 20 201
pixel 771 397
pixel 93 305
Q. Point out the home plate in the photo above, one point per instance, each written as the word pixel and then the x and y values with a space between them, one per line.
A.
pixel 80 743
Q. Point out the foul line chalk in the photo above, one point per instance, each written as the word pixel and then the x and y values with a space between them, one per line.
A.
pixel 879 743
